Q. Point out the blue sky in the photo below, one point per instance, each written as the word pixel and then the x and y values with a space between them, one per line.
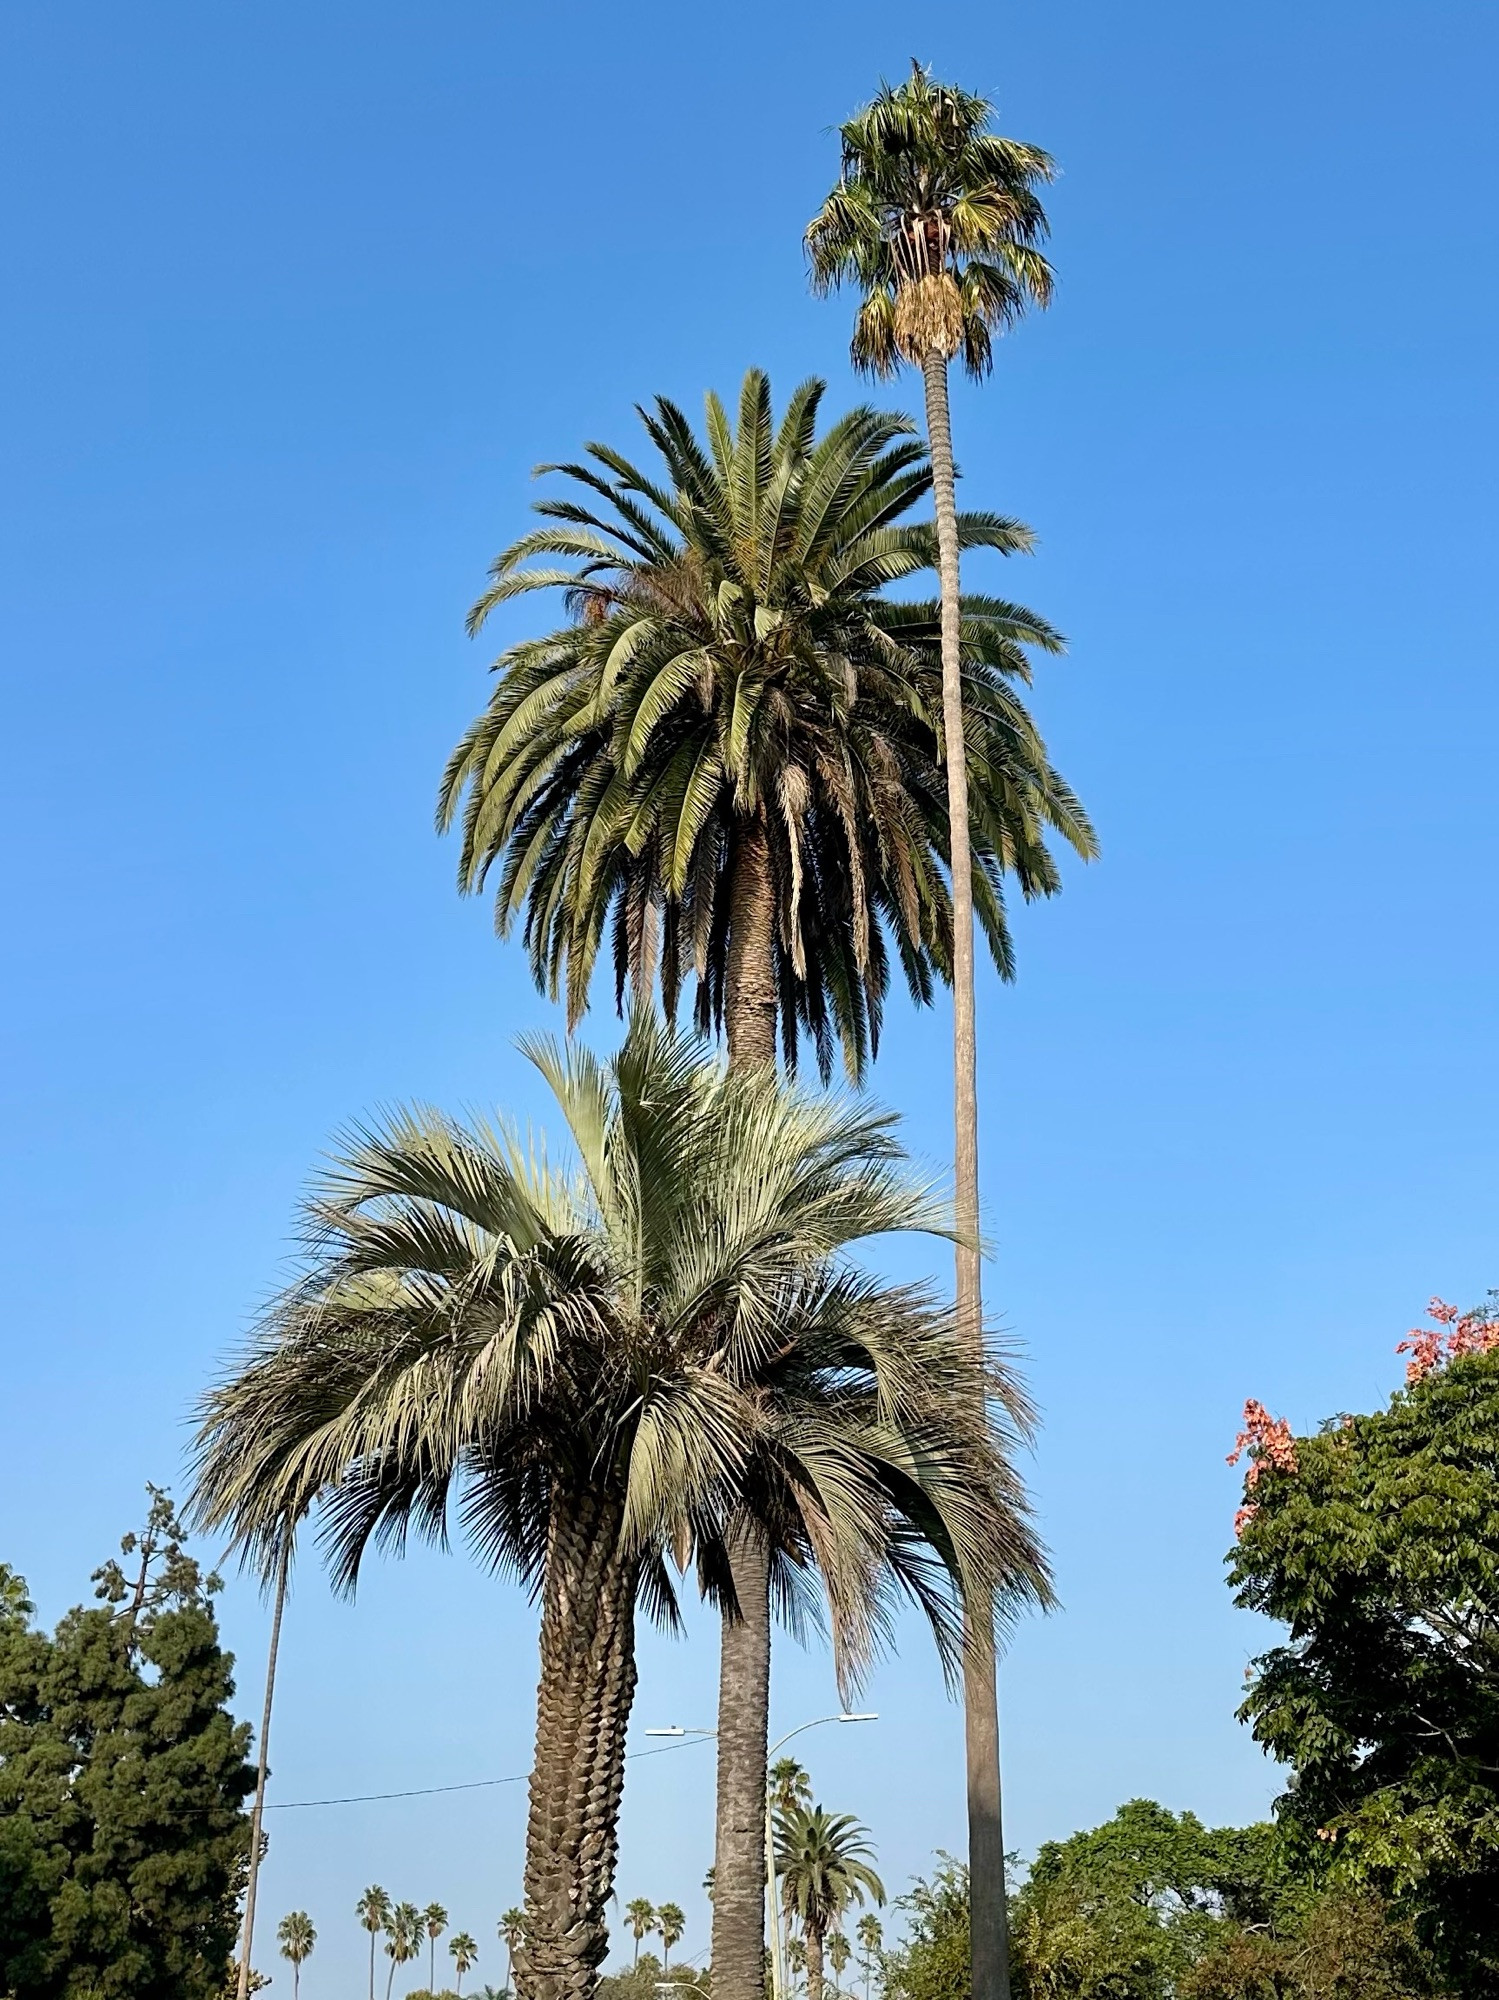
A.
pixel 294 299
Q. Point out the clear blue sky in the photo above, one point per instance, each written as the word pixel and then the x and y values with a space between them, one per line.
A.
pixel 294 297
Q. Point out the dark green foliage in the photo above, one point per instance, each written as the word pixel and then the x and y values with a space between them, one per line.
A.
pixel 1379 1548
pixel 122 1776
pixel 1153 1905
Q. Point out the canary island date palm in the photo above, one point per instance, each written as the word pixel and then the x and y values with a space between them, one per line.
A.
pixel 574 1363
pixel 728 760
pixel 822 1867
pixel 937 223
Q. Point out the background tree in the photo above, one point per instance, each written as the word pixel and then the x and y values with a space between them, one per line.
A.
pixel 821 1868
pixel 373 1911
pixel 578 1359
pixel 123 1776
pixel 434 1922
pixel 936 222
pixel 1376 1542
pixel 839 1954
pixel 465 1955
pixel 512 1932
pixel 296 1937
pixel 670 1924
pixel 403 1939
pixel 641 1919
pixel 871 1936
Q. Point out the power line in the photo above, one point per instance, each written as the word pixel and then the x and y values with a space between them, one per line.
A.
pixel 432 1791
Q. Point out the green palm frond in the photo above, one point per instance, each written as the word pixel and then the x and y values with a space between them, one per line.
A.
pixel 673 1318
pixel 734 660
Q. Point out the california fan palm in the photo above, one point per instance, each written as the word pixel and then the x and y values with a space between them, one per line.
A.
pixel 937 224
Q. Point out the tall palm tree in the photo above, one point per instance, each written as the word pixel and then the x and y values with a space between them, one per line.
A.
pixel 296 1937
pixel 512 1931
pixel 574 1360
pixel 464 1954
pixel 670 1924
pixel 822 1868
pixel 730 758
pixel 937 222
pixel 373 1911
pixel 403 1939
pixel 435 1922
pixel 736 732
pixel 871 1936
pixel 641 1918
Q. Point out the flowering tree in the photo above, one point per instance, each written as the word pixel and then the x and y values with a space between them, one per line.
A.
pixel 1376 1543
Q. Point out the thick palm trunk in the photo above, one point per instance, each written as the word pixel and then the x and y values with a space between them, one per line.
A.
pixel 750 995
pixel 812 1938
pixel 262 1769
pixel 582 1713
pixel 739 1887
pixel 986 1848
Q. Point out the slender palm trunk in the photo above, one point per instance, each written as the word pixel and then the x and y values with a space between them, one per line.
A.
pixel 986 1848
pixel 812 1938
pixel 372 1965
pixel 509 1969
pixel 739 1889
pixel 582 1713
pixel 296 1980
pixel 743 1726
pixel 262 1767
pixel 431 1964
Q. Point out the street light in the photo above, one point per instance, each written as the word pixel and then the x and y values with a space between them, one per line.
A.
pixel 777 1969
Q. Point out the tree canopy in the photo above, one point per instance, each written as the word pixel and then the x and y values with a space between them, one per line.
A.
pixel 1376 1543
pixel 122 1781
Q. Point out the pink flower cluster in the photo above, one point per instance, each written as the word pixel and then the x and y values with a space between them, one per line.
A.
pixel 1454 1335
pixel 1271 1448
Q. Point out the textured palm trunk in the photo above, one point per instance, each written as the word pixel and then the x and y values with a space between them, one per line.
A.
pixel 582 1713
pixel 262 1769
pixel 743 1726
pixel 986 1847
pixel 750 995
pixel 739 1886
pixel 812 1938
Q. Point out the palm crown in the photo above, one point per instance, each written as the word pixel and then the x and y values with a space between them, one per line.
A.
pixel 822 1865
pixel 733 745
pixel 937 222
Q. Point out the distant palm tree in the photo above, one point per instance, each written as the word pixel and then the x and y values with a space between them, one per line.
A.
pixel 435 1921
pixel 464 1952
pixel 670 1924
pixel 839 1953
pixel 871 1936
pixel 789 1785
pixel 641 1918
pixel 296 1937
pixel 512 1933
pixel 403 1939
pixel 822 1869
pixel 373 1911
pixel 937 223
